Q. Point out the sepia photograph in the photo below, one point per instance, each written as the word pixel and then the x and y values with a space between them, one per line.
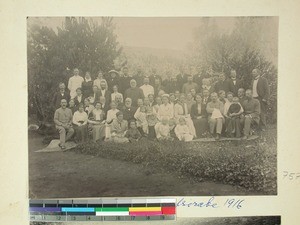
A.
pixel 152 106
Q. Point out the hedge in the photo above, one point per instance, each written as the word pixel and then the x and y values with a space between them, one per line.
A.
pixel 250 165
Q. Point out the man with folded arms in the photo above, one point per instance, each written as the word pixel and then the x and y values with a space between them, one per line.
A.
pixel 251 108
pixel 63 123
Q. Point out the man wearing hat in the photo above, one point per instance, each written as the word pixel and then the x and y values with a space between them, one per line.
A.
pixel 112 79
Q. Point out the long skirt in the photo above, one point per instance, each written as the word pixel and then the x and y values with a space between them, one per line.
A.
pixel 201 126
pixel 81 133
pixel 233 127
pixel 98 132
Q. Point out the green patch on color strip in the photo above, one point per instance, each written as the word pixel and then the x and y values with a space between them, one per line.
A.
pixel 112 209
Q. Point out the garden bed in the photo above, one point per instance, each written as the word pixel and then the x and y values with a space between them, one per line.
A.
pixel 248 164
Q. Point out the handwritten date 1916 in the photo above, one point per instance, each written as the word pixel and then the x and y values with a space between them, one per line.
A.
pixel 211 203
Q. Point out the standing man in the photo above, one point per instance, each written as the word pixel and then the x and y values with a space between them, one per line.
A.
pixel 222 84
pixel 61 94
pixel 199 76
pixel 74 83
pixel 139 78
pixel 261 91
pixel 215 110
pixel 124 82
pixel 63 123
pixel 233 83
pixel 112 79
pixel 153 77
pixel 189 85
pixel 104 91
pixel 181 78
pixel 134 93
pixel 252 111
pixel 147 88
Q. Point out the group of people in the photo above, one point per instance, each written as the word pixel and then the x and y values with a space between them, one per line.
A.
pixel 124 108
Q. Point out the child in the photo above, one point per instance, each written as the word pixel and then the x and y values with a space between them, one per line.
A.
pixel 182 131
pixel 172 125
pixel 233 118
pixel 162 129
pixel 133 133
pixel 151 120
pixel 141 120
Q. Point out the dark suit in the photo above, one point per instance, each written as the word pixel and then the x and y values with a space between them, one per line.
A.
pixel 128 113
pixel 77 102
pixel 263 92
pixel 181 80
pixel 234 87
pixel 170 86
pixel 221 85
pixel 107 96
pixel 112 82
pixel 58 97
pixel 201 124
pixel 198 79
pixel 95 96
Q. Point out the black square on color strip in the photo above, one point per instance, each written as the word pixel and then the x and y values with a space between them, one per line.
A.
pixel 36 205
pixel 109 205
pixel 153 205
pixel 168 204
pixel 95 205
pixel 79 205
pixel 124 205
pixel 139 205
pixel 64 205
pixel 50 205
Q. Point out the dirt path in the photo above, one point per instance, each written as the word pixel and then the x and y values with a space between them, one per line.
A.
pixel 67 174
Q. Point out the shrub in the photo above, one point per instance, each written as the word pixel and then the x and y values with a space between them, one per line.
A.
pixel 250 166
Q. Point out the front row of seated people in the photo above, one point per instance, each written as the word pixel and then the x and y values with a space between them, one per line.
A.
pixel 165 120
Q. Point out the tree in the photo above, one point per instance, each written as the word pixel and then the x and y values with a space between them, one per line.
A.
pixel 79 42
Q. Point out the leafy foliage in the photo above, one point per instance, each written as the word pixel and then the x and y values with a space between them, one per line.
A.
pixel 250 166
pixel 51 56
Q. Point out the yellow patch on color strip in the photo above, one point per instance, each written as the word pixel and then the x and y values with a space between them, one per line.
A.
pixel 144 209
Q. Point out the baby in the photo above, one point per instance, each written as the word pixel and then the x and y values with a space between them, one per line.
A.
pixel 162 129
pixel 182 131
pixel 133 133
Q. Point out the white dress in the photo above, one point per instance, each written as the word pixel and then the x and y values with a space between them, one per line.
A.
pixel 165 111
pixel 183 133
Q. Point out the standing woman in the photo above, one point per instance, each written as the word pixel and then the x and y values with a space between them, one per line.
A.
pixel 165 109
pixel 97 123
pixel 87 85
pixel 80 119
pixel 199 116
pixel 100 77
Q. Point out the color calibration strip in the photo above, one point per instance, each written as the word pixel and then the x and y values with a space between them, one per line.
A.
pixel 102 210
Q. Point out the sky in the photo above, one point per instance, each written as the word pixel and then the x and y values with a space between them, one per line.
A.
pixel 153 32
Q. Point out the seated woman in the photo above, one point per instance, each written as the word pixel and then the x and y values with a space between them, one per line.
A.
pixel 133 133
pixel 233 115
pixel 112 113
pixel 97 123
pixel 119 127
pixel 181 110
pixel 182 131
pixel 162 129
pixel 80 119
pixel 199 116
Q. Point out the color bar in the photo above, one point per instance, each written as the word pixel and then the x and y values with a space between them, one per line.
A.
pixel 144 209
pixel 77 209
pixel 112 213
pixel 168 210
pixel 112 209
pixel 145 213
pixel 46 209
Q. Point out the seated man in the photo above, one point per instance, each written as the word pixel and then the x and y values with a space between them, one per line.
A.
pixel 215 110
pixel 251 113
pixel 63 123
